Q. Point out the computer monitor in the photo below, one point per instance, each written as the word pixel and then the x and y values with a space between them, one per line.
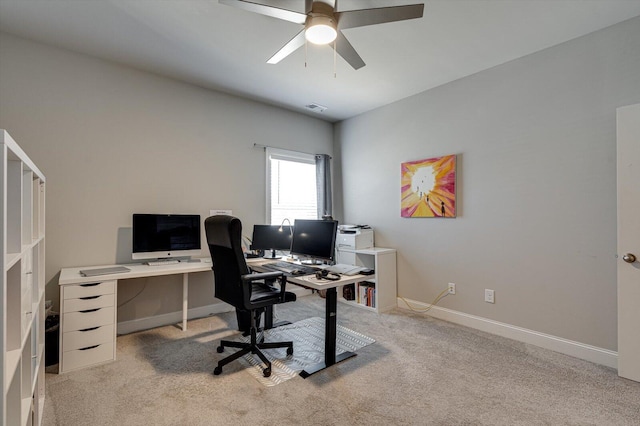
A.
pixel 157 236
pixel 271 237
pixel 314 239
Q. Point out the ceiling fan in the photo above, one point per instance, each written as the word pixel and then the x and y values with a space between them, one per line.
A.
pixel 323 24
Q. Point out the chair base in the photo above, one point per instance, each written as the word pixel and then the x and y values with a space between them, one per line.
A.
pixel 253 347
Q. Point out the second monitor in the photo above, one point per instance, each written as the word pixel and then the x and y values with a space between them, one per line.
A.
pixel 314 239
pixel 271 238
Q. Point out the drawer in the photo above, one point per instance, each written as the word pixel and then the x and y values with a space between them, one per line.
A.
pixel 89 337
pixel 82 320
pixel 89 302
pixel 86 356
pixel 85 290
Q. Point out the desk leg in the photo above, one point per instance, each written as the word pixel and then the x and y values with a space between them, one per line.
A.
pixel 185 300
pixel 330 356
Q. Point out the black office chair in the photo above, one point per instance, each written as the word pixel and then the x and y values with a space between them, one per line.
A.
pixel 252 294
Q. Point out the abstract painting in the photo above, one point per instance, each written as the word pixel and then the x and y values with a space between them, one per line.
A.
pixel 429 187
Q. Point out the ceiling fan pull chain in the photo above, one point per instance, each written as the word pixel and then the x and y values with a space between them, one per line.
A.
pixel 335 74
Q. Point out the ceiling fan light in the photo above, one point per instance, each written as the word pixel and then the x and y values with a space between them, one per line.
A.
pixel 321 30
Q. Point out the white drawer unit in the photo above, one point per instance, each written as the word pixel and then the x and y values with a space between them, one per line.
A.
pixel 87 324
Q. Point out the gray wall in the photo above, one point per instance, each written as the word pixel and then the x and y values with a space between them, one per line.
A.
pixel 112 141
pixel 536 147
pixel 536 179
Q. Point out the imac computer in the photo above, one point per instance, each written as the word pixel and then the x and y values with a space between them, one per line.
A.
pixel 314 239
pixel 271 238
pixel 165 236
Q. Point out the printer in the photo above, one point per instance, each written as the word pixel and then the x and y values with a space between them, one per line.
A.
pixel 354 237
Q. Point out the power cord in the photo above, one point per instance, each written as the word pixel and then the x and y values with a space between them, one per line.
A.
pixel 438 298
pixel 136 295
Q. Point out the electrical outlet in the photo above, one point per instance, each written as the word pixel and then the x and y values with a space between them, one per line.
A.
pixel 489 295
pixel 452 288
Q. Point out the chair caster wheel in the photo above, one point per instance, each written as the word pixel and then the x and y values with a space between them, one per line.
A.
pixel 217 371
pixel 220 349
pixel 289 351
pixel 266 372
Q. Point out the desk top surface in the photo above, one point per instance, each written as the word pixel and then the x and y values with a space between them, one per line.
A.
pixel 311 281
pixel 137 270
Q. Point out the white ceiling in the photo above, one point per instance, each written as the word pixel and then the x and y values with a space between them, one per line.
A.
pixel 224 48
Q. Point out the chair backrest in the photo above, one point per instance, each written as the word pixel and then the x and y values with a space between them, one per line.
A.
pixel 224 237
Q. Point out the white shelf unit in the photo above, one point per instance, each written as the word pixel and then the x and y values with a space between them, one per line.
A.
pixel 22 310
pixel 383 262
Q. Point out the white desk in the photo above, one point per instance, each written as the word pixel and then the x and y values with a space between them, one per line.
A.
pixel 89 313
pixel 88 309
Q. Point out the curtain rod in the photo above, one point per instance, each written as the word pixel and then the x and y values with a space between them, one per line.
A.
pixel 257 145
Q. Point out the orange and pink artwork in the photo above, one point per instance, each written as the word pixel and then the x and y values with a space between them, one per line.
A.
pixel 429 187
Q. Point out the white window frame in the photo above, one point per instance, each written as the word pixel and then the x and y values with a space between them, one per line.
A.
pixel 281 154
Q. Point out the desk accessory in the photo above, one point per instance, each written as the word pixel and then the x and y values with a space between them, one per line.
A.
pixel 103 271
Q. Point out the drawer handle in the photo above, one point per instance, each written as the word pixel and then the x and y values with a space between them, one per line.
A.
pixel 88 347
pixel 89 329
pixel 89 285
pixel 89 297
pixel 89 310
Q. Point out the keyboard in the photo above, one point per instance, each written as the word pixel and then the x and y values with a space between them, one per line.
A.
pixel 289 268
pixel 104 271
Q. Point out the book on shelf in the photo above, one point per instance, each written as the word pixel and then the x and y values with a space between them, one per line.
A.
pixel 366 294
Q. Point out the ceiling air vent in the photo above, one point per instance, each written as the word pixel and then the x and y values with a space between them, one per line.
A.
pixel 316 108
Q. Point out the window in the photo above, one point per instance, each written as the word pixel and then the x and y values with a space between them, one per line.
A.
pixel 291 186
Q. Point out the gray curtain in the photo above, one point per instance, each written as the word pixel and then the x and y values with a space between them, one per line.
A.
pixel 323 185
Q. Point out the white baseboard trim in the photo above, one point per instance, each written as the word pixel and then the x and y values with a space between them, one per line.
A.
pixel 139 324
pixel 568 347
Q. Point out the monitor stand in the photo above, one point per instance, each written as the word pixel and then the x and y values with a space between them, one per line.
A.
pixel 273 255
pixel 311 262
pixel 163 261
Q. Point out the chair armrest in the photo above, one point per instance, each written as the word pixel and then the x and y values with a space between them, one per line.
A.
pixel 262 276
pixel 248 279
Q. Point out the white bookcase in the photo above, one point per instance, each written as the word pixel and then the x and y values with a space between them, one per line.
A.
pixel 22 310
pixel 378 291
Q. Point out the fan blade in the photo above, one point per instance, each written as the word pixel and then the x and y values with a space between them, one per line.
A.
pixel 263 9
pixel 288 48
pixel 364 17
pixel 348 53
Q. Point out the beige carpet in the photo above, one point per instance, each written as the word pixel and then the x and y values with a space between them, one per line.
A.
pixel 307 336
pixel 420 371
